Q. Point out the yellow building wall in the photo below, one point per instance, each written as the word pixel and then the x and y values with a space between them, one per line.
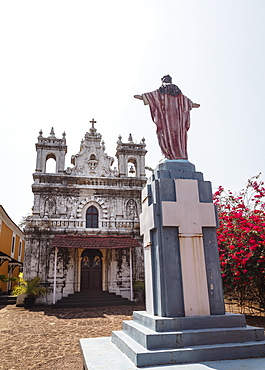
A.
pixel 8 230
pixel 6 239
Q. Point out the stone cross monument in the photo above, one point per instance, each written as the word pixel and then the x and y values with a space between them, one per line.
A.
pixel 185 319
pixel 189 215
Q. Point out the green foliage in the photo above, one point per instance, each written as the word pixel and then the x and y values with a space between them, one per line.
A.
pixel 34 289
pixel 23 221
pixel 31 287
pixel 6 279
pixel 21 286
pixel 139 291
pixel 139 285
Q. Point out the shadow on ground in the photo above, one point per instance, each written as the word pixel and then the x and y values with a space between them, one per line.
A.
pixel 89 312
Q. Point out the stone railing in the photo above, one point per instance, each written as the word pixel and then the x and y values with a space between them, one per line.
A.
pixel 80 225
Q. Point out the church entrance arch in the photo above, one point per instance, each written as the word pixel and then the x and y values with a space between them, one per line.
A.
pixel 91 270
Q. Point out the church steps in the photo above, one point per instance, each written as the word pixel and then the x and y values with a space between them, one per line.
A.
pixel 7 299
pixel 92 299
pixel 78 296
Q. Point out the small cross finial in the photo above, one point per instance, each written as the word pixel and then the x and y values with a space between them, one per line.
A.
pixel 93 121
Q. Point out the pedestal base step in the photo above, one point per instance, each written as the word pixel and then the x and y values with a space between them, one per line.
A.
pixel 141 356
pixel 152 340
pixel 187 338
pixel 161 324
pixel 101 354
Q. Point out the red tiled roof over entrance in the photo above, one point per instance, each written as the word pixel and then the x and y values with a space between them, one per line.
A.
pixel 94 241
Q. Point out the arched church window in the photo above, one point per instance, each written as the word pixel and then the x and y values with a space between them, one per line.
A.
pixel 131 167
pixel 92 218
pixel 50 166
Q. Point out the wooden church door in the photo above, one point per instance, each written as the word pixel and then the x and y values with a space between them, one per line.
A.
pixel 91 270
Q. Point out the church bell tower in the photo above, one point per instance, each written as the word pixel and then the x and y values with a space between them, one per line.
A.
pixel 50 147
pixel 131 157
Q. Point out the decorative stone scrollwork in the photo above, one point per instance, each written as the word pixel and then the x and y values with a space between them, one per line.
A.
pixel 92 163
pixel 71 207
pixel 90 200
pixel 131 210
pixel 50 207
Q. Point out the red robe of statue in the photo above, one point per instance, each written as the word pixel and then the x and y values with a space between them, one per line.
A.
pixel 171 114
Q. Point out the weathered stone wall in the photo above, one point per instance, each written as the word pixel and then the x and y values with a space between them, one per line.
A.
pixel 118 267
pixel 61 200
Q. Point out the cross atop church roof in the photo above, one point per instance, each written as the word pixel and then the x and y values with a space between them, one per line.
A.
pixel 93 121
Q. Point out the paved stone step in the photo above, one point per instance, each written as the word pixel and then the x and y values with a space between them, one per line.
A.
pixel 87 298
pixel 186 338
pixel 7 299
pixel 95 304
pixel 92 299
pixel 94 294
pixel 101 354
pixel 141 356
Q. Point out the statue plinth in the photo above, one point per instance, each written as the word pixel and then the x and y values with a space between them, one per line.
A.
pixel 185 318
pixel 179 222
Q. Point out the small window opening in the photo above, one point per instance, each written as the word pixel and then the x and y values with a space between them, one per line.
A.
pixel 20 249
pixel 50 164
pixel 92 218
pixel 131 169
pixel 13 245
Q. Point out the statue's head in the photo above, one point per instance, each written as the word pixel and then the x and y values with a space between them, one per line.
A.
pixel 166 79
pixel 167 87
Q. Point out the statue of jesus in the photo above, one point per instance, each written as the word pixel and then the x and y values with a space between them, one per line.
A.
pixel 170 111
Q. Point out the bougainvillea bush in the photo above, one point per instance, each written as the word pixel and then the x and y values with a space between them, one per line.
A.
pixel 241 240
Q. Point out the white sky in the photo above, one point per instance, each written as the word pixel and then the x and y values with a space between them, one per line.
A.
pixel 63 63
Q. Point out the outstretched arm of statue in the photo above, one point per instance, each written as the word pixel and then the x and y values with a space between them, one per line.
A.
pixel 142 97
pixel 195 105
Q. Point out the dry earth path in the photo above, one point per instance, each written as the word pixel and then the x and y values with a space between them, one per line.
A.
pixel 48 339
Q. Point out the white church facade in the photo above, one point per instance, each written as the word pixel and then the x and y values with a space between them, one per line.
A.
pixel 83 234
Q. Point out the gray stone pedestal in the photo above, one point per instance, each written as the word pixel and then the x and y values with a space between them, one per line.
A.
pixel 178 222
pixel 150 340
pixel 185 320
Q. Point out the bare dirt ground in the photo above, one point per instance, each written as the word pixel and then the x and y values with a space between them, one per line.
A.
pixel 46 338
